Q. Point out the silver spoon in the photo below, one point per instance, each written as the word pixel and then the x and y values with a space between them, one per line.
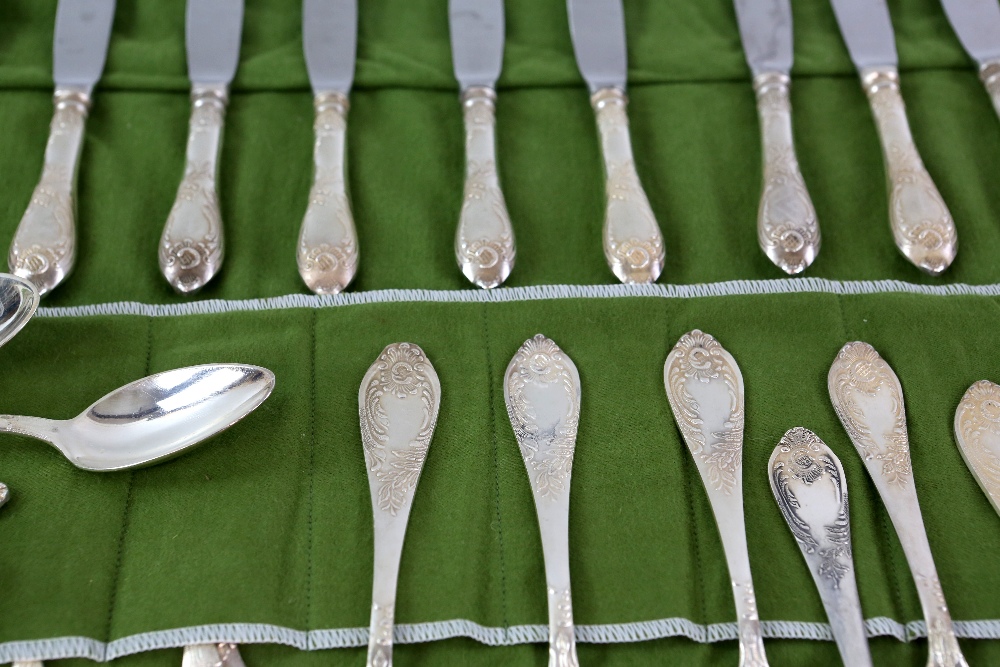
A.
pixel 154 418
pixel 18 301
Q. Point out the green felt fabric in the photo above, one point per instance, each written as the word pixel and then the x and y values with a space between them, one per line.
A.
pixel 271 522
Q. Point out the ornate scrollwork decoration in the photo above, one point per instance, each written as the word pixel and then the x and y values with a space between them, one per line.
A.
pixel 562 640
pixel 977 428
pixel 380 641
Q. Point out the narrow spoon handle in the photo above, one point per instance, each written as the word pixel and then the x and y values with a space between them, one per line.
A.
pixel 33 427
pixel 633 244
pixel 328 241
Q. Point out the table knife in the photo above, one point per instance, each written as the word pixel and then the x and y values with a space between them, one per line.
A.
pixel 191 248
pixel 921 223
pixel 633 244
pixel 810 487
pixel 868 400
pixel 542 392
pixel 705 390
pixel 484 240
pixel 977 429
pixel 977 24
pixel 787 229
pixel 44 246
pixel 328 242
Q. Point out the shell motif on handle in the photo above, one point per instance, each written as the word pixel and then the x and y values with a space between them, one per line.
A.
pixel 191 248
pixel 787 229
pixel 44 246
pixel 977 429
pixel 484 240
pixel 633 244
pixel 921 223
pixel 989 73
pixel 328 241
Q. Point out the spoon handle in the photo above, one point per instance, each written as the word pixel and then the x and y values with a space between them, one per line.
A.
pixel 633 244
pixel 978 437
pixel 328 241
pixel 33 427
pixel 989 73
pixel 212 655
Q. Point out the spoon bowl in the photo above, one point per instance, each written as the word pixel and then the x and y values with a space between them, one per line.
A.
pixel 154 418
pixel 18 301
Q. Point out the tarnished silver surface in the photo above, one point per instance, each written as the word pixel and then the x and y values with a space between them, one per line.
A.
pixel 154 418
pixel 810 487
pixel 329 39
pixel 705 389
pixel 868 399
pixel 977 429
pixel 766 33
pixel 989 73
pixel 787 229
pixel 867 30
pixel 542 392
pixel 977 24
pixel 398 404
pixel 598 31
pixel 328 241
pixel 18 301
pixel 212 655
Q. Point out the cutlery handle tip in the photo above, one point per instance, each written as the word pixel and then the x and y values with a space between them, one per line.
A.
pixel 989 74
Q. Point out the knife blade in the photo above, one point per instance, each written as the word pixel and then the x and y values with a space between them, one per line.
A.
pixel 330 37
pixel 867 30
pixel 977 24
pixel 598 31
pixel 212 32
pixel 766 33
pixel 83 29
pixel 477 35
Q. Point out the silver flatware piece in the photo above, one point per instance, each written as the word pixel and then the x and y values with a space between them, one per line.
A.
pixel 192 245
pixel 484 239
pixel 327 252
pixel 633 244
pixel 921 223
pixel 977 430
pixel 705 389
pixel 44 246
pixel 810 487
pixel 787 229
pixel 212 655
pixel 18 301
pixel 977 24
pixel 868 399
pixel 542 392
pixel 398 404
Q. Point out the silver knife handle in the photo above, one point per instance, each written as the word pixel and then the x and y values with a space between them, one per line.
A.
pixel 44 246
pixel 484 240
pixel 989 73
pixel 633 244
pixel 191 248
pixel 786 220
pixel 328 241
pixel 921 223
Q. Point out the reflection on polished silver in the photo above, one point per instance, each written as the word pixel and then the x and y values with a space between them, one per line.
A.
pixel 977 429
pixel 152 419
pixel 989 73
pixel 868 399
pixel 212 655
pixel 633 244
pixel 921 223
pixel 542 392
pixel 191 248
pixel 4 494
pixel 484 240
pixel 18 301
pixel 705 390
pixel 810 487
pixel 328 242
pixel 787 228
pixel 398 406
pixel 44 245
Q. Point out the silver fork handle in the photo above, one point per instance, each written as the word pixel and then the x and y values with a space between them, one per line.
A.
pixel 44 246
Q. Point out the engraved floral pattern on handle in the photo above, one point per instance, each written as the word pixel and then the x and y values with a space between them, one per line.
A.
pixel 989 73
pixel 380 636
pixel 4 494
pixel 328 241
pixel 484 239
pixel 191 247
pixel 977 429
pixel 633 244
pixel 44 246
pixel 921 223
pixel 787 229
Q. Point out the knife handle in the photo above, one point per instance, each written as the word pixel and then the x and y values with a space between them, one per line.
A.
pixel 633 244
pixel 44 245
pixel 484 240
pixel 921 223
pixel 191 248
pixel 328 242
pixel 989 73
pixel 787 229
